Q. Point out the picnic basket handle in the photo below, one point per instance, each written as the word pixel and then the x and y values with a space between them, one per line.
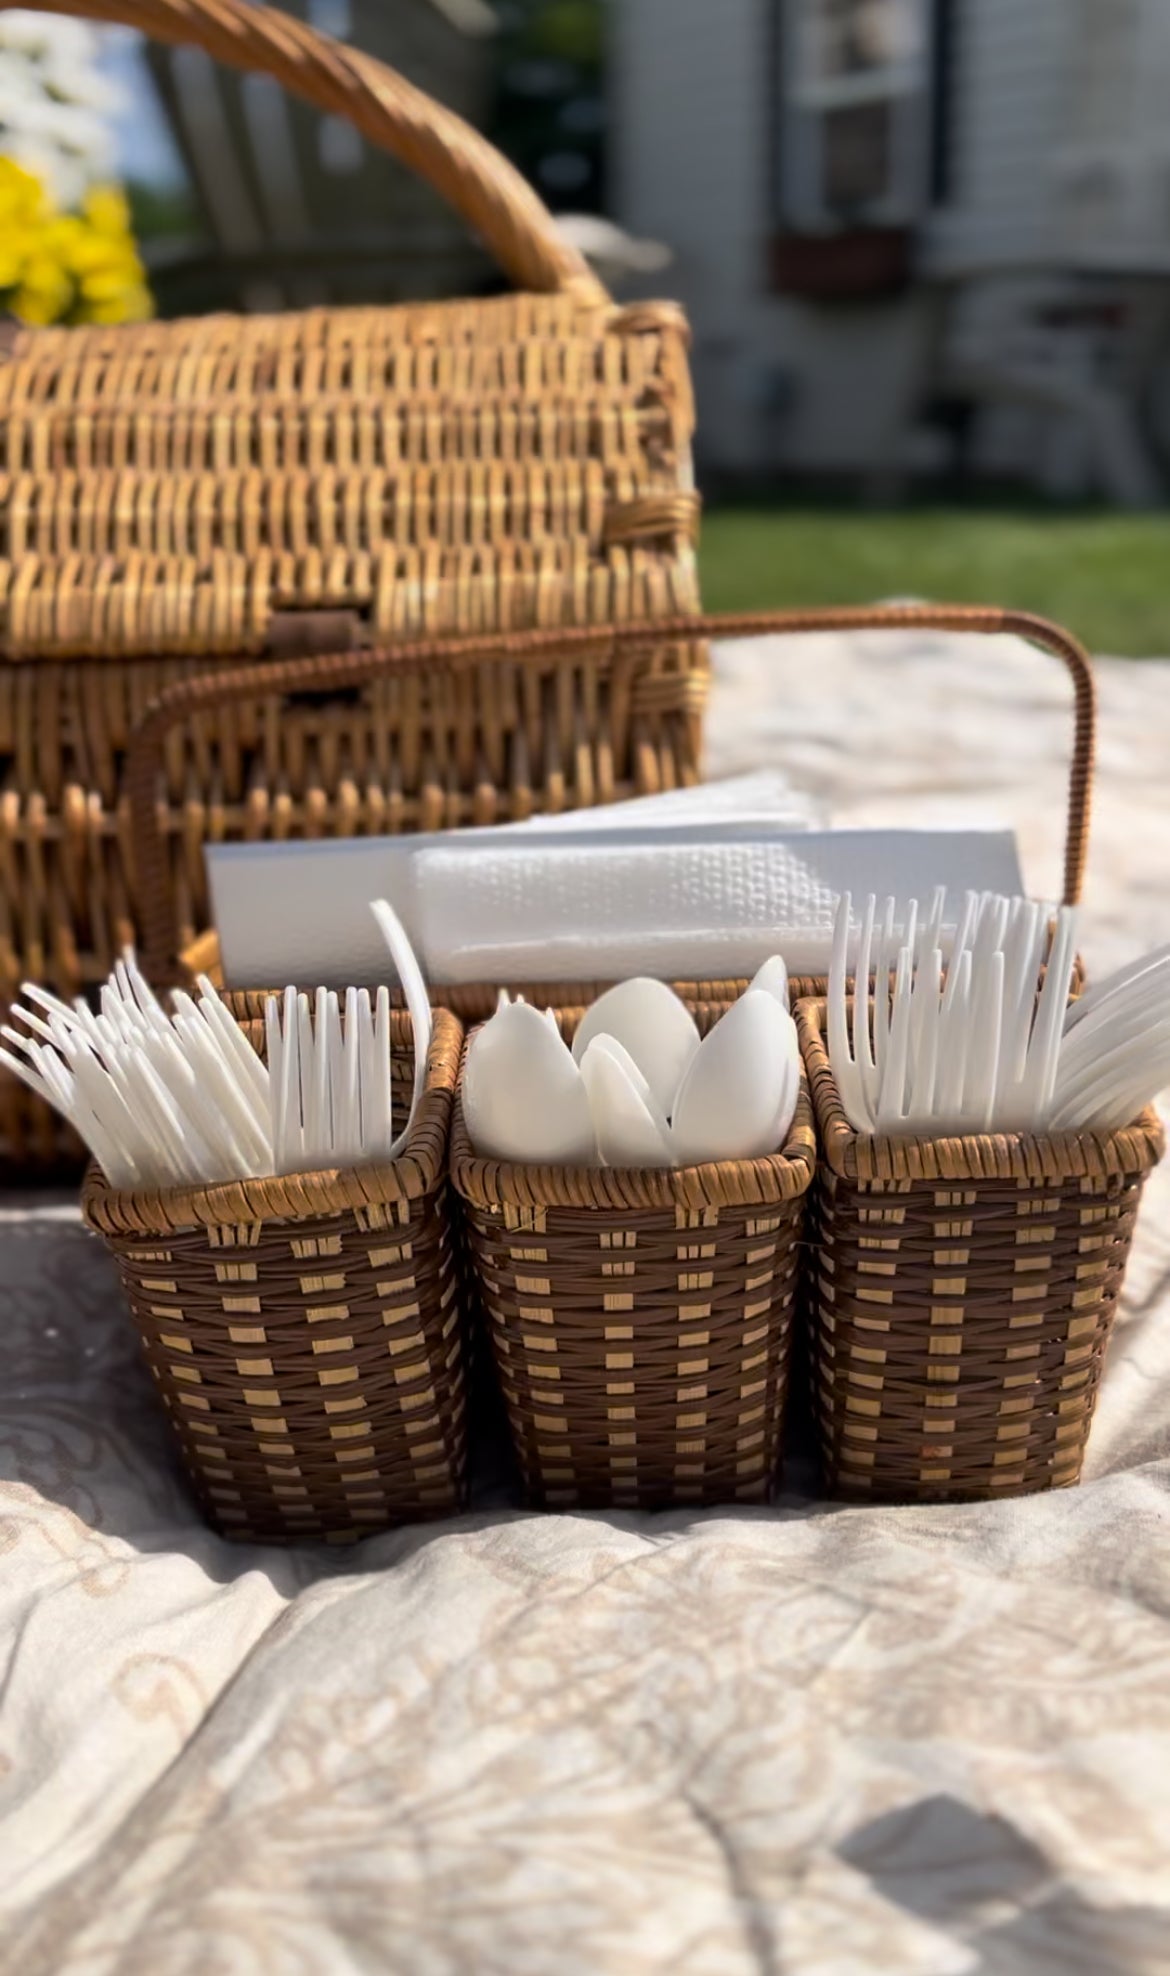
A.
pixel 340 670
pixel 489 193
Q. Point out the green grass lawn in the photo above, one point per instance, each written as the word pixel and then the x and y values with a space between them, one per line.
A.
pixel 1106 577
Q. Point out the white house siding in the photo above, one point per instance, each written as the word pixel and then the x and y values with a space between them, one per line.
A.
pixel 779 384
pixel 1011 111
pixel 1112 166
pixel 691 160
pixel 693 98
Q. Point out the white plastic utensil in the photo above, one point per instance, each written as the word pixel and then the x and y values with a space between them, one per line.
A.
pixel 1022 958
pixel 1125 1014
pixel 524 1098
pixel 982 1080
pixel 863 1049
pixel 968 1056
pixel 1079 1068
pixel 845 1065
pixel 728 1103
pixel 161 1099
pixel 1040 1070
pixel 418 1003
pixel 887 959
pixel 629 1124
pixel 290 1142
pixel 653 1026
pixel 332 1097
pixel 1121 983
pixel 352 1135
pixel 772 979
pixel 926 1014
pixel 1123 1083
pixel 527 1098
pixel 383 1087
pixel 954 1035
pixel 891 1108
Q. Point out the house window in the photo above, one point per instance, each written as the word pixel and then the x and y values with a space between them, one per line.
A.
pixel 855 122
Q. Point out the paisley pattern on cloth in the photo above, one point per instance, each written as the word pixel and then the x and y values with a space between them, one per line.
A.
pixel 813 1740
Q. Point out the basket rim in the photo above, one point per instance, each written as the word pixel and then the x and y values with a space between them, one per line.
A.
pixel 416 1173
pixel 474 1001
pixel 855 1156
pixel 773 1181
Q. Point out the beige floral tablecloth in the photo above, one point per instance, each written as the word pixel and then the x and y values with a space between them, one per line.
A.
pixel 810 1740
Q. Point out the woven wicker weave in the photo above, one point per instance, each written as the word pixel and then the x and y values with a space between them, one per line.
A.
pixel 641 1322
pixel 176 496
pixel 306 1334
pixel 962 1298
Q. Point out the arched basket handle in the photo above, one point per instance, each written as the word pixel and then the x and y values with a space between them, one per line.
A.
pixel 339 670
pixel 468 172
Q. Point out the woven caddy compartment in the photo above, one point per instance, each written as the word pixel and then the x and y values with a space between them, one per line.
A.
pixel 306 1333
pixel 641 1322
pixel 178 496
pixel 182 709
pixel 962 1293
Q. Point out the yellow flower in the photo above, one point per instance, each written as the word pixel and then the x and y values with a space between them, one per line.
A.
pixel 23 200
pixel 107 210
pixel 68 267
pixel 45 291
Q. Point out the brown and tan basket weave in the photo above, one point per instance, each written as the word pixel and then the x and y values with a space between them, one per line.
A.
pixel 962 1295
pixel 641 1322
pixel 169 872
pixel 178 496
pixel 306 1333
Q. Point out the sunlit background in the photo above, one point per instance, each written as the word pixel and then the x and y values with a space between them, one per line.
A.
pixel 924 246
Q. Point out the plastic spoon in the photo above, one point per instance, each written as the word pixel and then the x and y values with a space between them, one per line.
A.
pixel 772 979
pixel 654 1028
pixel 524 1098
pixel 630 1126
pixel 728 1102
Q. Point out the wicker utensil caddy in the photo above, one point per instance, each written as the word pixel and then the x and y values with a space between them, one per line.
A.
pixel 176 497
pixel 306 1334
pixel 592 1286
pixel 961 1298
pixel 641 1322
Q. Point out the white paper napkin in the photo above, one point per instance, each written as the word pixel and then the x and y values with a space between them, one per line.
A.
pixel 571 912
pixel 676 901
pixel 764 796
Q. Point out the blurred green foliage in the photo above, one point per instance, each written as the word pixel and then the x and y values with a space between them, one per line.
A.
pixel 570 30
pixel 163 212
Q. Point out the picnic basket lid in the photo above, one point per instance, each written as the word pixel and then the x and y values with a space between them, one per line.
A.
pixel 337 478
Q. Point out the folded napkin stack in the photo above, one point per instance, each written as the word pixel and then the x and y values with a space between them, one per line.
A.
pixel 678 901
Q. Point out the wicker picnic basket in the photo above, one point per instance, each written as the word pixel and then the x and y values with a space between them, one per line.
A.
pixel 176 497
pixel 169 870
pixel 306 1334
pixel 962 1295
pixel 641 1322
